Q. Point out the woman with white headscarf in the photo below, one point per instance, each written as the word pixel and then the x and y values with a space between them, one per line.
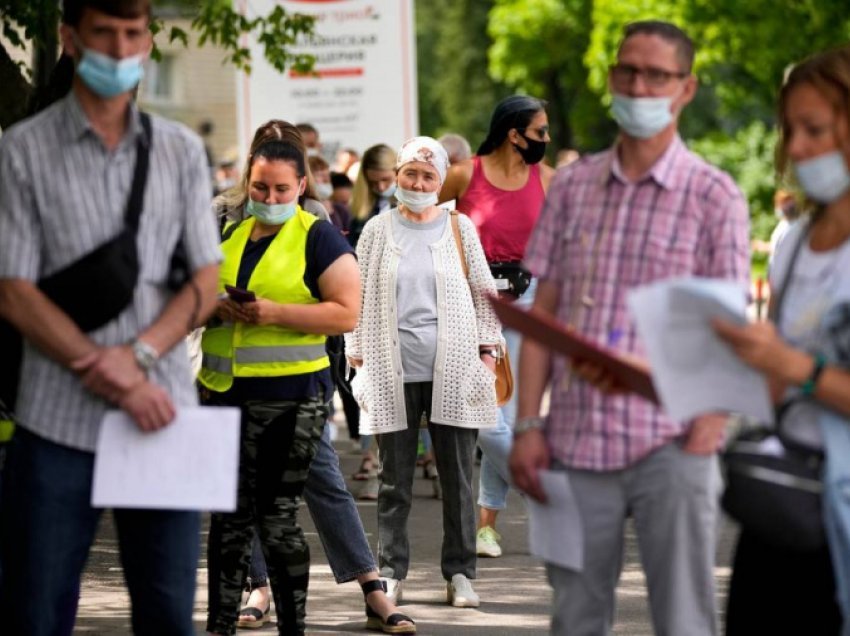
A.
pixel 425 346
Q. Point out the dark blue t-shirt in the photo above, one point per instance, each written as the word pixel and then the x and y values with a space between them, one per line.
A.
pixel 325 244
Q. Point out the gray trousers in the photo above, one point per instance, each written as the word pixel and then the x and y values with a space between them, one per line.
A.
pixel 672 496
pixel 454 450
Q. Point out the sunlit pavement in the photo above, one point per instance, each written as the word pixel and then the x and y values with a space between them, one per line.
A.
pixel 514 594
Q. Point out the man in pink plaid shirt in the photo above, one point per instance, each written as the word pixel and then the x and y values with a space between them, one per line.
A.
pixel 644 210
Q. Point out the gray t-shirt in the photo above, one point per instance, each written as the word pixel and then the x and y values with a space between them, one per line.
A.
pixel 416 295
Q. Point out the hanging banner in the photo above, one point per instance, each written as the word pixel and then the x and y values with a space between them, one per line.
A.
pixel 363 88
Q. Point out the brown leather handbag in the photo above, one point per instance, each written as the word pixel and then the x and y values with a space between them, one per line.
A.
pixel 504 373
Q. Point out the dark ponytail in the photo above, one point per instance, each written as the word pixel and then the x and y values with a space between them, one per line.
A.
pixel 515 111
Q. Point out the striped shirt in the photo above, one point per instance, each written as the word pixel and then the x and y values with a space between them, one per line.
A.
pixel 62 194
pixel 599 236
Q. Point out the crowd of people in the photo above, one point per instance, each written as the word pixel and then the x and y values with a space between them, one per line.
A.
pixel 384 263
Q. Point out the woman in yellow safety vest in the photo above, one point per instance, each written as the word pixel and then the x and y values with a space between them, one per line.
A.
pixel 287 280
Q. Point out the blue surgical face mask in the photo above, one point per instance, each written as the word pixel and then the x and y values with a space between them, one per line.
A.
pixel 107 76
pixel 324 190
pixel 274 214
pixel 386 194
pixel 642 117
pixel 825 178
pixel 416 202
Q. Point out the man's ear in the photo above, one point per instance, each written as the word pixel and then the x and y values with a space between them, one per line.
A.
pixel 688 93
pixel 69 42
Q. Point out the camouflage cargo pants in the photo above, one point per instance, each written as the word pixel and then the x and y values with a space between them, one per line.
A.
pixel 278 441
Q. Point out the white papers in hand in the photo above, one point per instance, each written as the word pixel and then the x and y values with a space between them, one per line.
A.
pixel 191 464
pixel 694 371
pixel 554 528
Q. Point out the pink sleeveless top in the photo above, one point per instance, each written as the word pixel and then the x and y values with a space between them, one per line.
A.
pixel 504 218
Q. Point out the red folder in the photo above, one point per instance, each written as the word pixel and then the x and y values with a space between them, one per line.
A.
pixel 545 330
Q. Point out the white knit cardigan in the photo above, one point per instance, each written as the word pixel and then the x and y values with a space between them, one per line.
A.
pixel 464 388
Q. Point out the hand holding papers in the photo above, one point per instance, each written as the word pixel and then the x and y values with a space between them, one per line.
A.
pixel 555 532
pixel 191 464
pixel 532 324
pixel 694 371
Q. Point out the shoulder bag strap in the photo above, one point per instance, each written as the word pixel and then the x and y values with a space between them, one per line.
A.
pixel 140 175
pixel 459 242
pixel 776 307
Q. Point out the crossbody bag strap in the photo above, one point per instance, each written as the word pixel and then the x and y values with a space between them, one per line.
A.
pixel 459 242
pixel 140 175
pixel 775 310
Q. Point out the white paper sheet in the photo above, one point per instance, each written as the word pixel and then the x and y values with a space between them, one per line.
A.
pixel 191 464
pixel 554 528
pixel 693 370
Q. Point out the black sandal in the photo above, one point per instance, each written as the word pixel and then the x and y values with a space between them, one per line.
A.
pixel 374 620
pixel 260 617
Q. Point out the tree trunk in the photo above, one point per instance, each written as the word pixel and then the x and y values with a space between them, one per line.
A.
pixel 16 91
pixel 559 111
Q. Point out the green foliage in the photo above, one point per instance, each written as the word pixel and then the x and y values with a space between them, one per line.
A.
pixel 28 19
pixel 534 51
pixel 456 94
pixel 217 22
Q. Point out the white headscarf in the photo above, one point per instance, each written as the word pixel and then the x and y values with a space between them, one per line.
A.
pixel 426 150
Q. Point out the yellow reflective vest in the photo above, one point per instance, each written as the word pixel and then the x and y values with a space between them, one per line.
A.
pixel 7 429
pixel 260 351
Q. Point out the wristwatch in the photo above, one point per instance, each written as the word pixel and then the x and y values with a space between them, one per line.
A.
pixel 532 423
pixel 146 356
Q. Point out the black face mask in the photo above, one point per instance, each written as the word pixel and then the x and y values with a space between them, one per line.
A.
pixel 535 151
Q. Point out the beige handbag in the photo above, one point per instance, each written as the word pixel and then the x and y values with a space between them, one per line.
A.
pixel 504 374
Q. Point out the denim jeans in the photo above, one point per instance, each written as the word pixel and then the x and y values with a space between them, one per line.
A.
pixel 454 450
pixel 47 526
pixel 496 442
pixel 335 516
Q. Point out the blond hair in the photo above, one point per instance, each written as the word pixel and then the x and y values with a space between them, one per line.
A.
pixel 379 157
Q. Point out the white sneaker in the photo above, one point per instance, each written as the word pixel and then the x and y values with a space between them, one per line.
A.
pixel 393 587
pixel 487 542
pixel 460 592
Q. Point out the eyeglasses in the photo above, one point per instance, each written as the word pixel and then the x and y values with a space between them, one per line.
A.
pixel 624 75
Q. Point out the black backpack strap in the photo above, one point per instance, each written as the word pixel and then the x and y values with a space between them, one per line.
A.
pixel 140 175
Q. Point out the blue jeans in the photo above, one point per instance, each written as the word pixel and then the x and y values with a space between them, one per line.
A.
pixel 496 442
pixel 47 526
pixel 335 516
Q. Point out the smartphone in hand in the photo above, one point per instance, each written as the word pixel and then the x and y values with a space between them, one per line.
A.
pixel 239 295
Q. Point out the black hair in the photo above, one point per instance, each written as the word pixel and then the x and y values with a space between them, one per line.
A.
pixel 276 150
pixel 515 111
pixel 340 180
pixel 72 10
pixel 666 31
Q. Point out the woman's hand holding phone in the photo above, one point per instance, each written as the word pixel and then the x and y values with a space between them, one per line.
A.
pixel 239 295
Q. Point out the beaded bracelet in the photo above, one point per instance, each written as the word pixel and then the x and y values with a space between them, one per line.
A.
pixel 808 387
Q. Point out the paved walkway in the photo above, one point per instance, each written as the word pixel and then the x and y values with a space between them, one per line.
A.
pixel 513 589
